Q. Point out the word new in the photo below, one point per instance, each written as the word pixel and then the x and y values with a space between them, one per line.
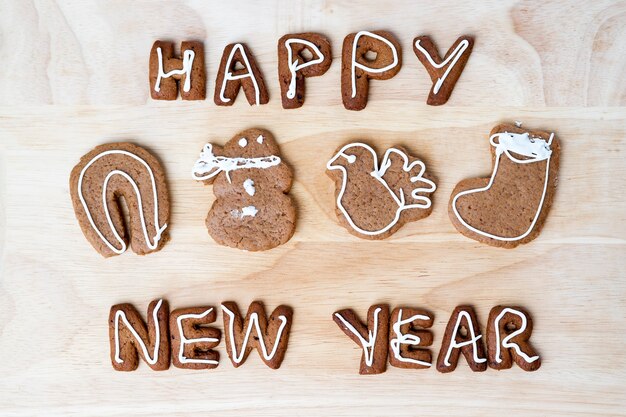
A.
pixel 403 339
pixel 184 337
pixel 365 55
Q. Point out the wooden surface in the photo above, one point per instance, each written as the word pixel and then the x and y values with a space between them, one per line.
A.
pixel 74 75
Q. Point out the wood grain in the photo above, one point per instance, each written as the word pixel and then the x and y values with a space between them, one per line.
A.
pixel 74 75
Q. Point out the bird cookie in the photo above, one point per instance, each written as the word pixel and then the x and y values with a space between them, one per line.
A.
pixel 374 201
pixel 252 210
pixel 98 182
pixel 509 207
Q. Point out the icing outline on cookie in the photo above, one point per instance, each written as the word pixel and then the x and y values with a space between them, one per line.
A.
pixel 159 229
pixel 208 161
pixel 294 67
pixel 372 336
pixel 228 76
pixel 472 341
pixel 378 174
pixel 121 314
pixel 253 320
pixel 505 342
pixel 184 341
pixel 535 148
pixel 188 57
pixel 406 338
pixel 355 64
pixel 454 56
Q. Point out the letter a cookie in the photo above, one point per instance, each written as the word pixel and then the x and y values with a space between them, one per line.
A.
pixel 101 178
pixel 509 207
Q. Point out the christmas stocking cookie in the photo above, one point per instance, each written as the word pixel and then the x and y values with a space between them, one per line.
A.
pixel 509 207
pixel 252 210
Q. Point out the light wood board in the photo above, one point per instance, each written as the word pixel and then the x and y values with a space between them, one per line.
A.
pixel 73 74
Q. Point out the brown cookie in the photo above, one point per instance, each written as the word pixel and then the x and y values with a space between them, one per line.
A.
pixel 508 331
pixel 252 210
pixel 510 207
pixel 272 334
pixel 192 340
pixel 169 74
pixel 130 338
pixel 408 340
pixel 462 336
pixel 373 338
pixel 359 65
pixel 374 201
pixel 445 72
pixel 294 64
pixel 238 69
pixel 98 182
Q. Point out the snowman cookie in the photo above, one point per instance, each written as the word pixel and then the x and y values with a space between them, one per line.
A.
pixel 251 181
pixel 374 200
pixel 509 207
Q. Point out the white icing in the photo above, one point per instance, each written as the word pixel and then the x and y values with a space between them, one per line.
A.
pixel 209 162
pixel 243 142
pixel 248 185
pixel 294 67
pixel 158 229
pixel 253 321
pixel 518 123
pixel 249 211
pixel 378 174
pixel 472 341
pixel 184 341
pixel 454 57
pixel 119 314
pixel 536 149
pixel 406 339
pixel 188 57
pixel 229 76
pixel 260 139
pixel 355 64
pixel 506 343
pixel 368 345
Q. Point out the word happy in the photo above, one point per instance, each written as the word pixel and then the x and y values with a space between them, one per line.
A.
pixel 184 338
pixel 365 55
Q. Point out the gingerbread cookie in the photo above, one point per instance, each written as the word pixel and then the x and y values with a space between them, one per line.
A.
pixel 508 331
pixel 168 73
pixel 272 334
pixel 462 335
pixel 445 72
pixel 374 201
pixel 372 338
pixel 238 69
pixel 192 340
pixel 408 338
pixel 510 207
pixel 100 179
pixel 130 338
pixel 252 210
pixel 294 65
pixel 367 55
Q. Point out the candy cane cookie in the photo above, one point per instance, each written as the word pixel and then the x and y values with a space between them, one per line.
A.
pixel 100 181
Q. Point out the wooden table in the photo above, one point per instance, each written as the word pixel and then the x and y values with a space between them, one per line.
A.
pixel 74 75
